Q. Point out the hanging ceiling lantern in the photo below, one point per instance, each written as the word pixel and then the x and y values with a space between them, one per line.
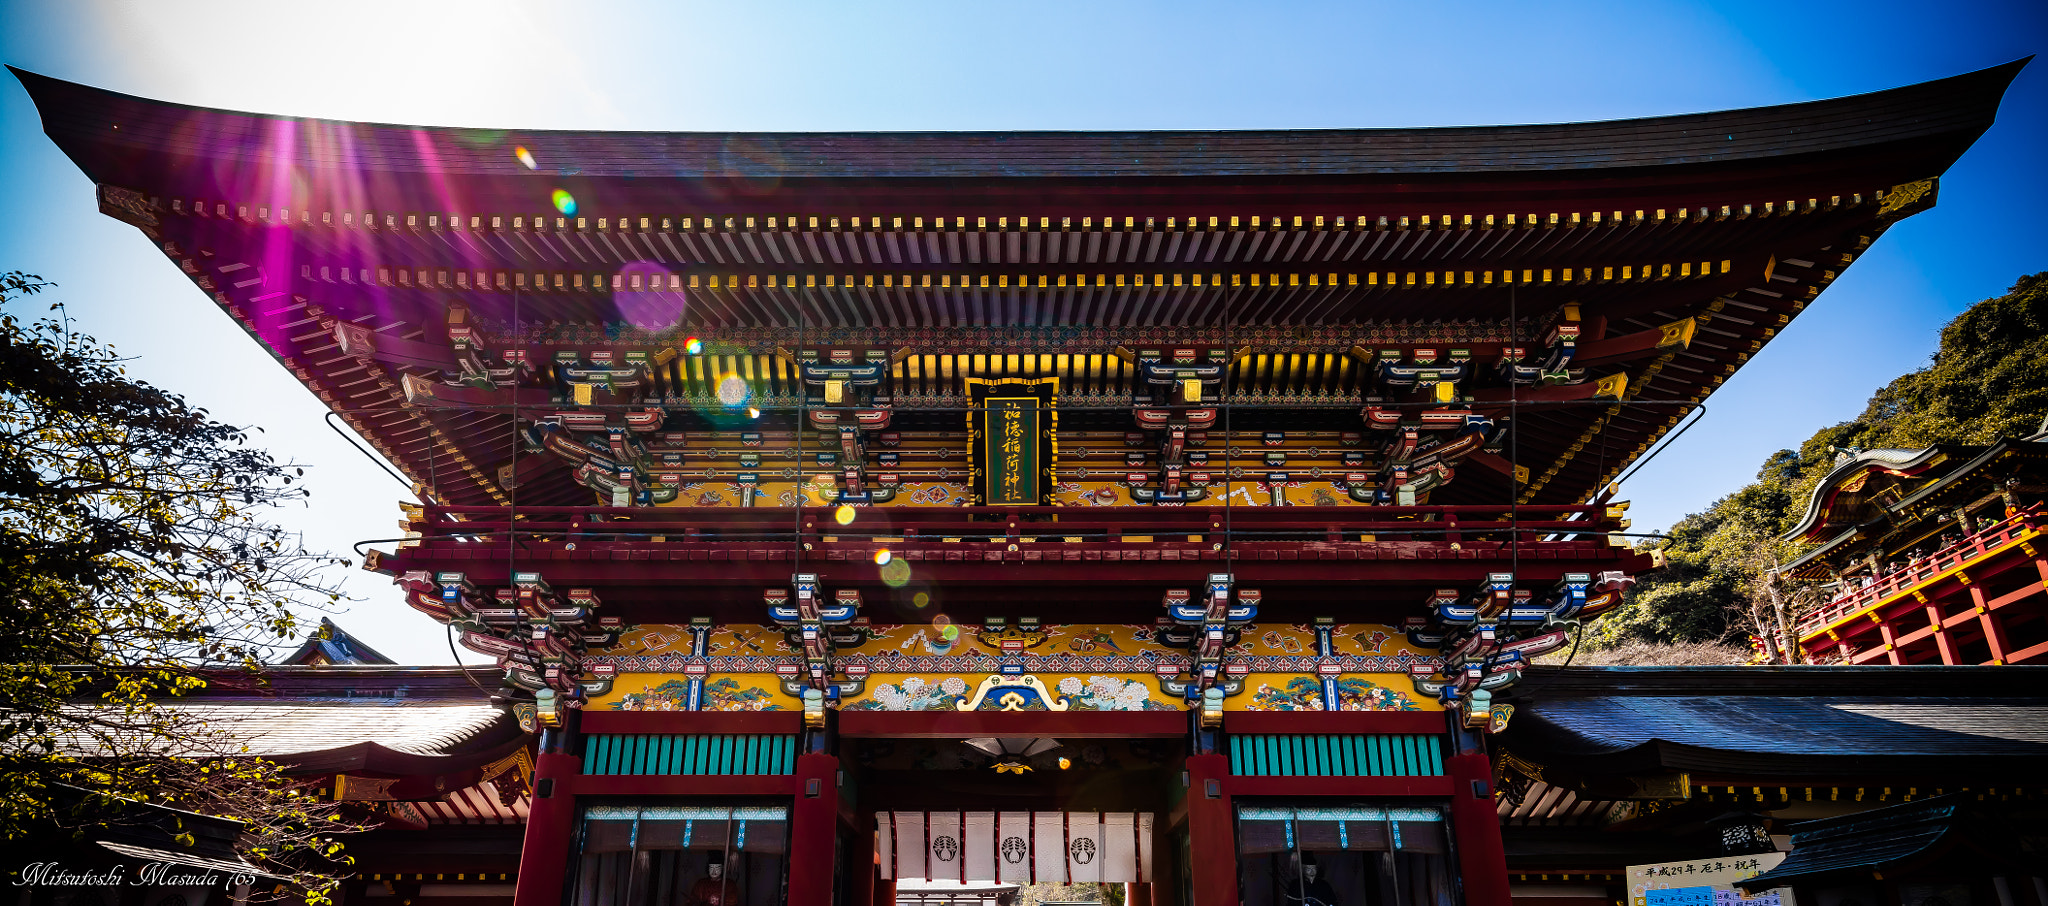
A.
pixel 1011 752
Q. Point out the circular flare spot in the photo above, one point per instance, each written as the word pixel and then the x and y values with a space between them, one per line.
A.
pixel 921 600
pixel 896 574
pixel 565 202
pixel 753 412
pixel 732 390
pixel 950 632
pixel 525 157
pixel 844 515
pixel 693 346
pixel 882 557
pixel 942 620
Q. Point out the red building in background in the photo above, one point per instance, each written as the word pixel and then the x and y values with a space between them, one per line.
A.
pixel 1929 556
pixel 1174 509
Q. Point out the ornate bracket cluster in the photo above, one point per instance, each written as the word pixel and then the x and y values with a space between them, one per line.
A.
pixel 1182 383
pixel 1560 345
pixel 539 636
pixel 1489 635
pixel 845 381
pixel 816 629
pixel 1419 450
pixel 1206 627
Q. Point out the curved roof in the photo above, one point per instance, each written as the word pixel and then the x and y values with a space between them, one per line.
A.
pixel 1412 238
pixel 1830 486
pixel 1946 113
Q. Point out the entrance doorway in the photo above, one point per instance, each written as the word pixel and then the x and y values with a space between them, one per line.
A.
pixel 1016 822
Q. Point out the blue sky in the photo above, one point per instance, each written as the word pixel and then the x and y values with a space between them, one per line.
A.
pixel 1101 65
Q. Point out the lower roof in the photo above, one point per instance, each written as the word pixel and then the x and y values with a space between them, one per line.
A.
pixel 1788 722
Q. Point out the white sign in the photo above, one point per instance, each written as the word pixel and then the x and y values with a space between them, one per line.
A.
pixel 1705 882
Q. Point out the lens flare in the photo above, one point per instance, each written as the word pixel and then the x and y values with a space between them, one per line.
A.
pixel 732 391
pixel 896 574
pixel 882 557
pixel 1065 762
pixel 565 202
pixel 753 412
pixel 693 346
pixel 525 157
pixel 921 600
pixel 844 515
pixel 942 620
pixel 949 633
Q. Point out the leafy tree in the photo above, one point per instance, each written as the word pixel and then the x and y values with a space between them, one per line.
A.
pixel 1988 379
pixel 135 565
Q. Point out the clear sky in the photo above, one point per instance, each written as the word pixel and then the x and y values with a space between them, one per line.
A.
pixel 1046 65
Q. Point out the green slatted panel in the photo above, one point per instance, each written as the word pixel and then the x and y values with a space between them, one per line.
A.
pixel 1320 755
pixel 637 753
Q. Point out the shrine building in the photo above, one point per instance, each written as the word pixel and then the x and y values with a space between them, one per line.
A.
pixel 862 515
pixel 1929 556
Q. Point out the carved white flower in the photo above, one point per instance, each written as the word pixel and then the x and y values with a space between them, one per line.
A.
pixel 914 685
pixel 953 685
pixel 1071 685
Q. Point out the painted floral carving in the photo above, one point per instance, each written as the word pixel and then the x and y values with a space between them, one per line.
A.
pixel 914 694
pixel 1306 694
pixel 1109 693
pixel 722 694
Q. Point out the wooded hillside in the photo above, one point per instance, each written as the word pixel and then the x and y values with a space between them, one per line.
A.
pixel 1989 378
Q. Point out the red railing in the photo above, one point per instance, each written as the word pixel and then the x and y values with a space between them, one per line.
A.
pixel 637 525
pixel 1914 572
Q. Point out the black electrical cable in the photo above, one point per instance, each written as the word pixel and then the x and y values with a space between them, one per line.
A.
pixel 460 665
pixel 331 413
pixel 1699 412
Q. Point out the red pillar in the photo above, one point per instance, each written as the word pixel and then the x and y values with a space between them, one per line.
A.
pixel 1891 643
pixel 1212 840
pixel 861 876
pixel 813 831
pixel 885 893
pixel 1942 642
pixel 550 829
pixel 1994 628
pixel 1482 860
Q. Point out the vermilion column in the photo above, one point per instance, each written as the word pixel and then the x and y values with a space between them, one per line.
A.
pixel 1212 842
pixel 550 820
pixel 1482 860
pixel 812 831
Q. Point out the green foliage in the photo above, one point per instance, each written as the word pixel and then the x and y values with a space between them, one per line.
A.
pixel 1988 379
pixel 134 555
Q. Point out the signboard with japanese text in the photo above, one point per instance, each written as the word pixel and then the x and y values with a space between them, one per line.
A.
pixel 1010 450
pixel 1705 882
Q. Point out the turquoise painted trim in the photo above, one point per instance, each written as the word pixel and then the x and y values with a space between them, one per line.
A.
pixel 1336 755
pixel 644 754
